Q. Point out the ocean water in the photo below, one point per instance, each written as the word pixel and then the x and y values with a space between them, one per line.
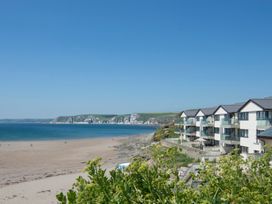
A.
pixel 27 132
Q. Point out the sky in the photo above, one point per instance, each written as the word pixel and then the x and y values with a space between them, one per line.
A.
pixel 72 57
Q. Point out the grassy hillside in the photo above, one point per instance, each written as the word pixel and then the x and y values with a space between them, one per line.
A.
pixel 138 118
pixel 161 117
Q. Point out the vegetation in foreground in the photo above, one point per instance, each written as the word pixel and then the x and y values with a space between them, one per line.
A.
pixel 231 180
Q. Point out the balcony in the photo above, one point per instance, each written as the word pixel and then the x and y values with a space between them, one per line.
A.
pixel 207 123
pixel 230 139
pixel 191 133
pixel 264 124
pixel 207 135
pixel 190 123
pixel 231 123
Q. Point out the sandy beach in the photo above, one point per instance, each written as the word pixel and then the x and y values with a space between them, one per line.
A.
pixel 34 171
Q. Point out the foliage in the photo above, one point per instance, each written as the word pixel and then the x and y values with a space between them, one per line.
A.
pixel 165 132
pixel 231 180
pixel 162 118
pixel 235 180
pixel 169 157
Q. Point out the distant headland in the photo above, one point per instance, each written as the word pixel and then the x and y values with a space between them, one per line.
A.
pixel 133 119
pixel 129 119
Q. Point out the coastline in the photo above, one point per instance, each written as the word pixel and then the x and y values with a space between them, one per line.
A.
pixel 55 164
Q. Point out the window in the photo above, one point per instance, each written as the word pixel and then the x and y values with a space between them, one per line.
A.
pixel 243 133
pixel 227 116
pixel 228 131
pixel 197 128
pixel 262 115
pixel 197 118
pixel 217 117
pixel 216 130
pixel 243 116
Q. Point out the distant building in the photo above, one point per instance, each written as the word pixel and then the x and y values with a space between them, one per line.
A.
pixel 189 124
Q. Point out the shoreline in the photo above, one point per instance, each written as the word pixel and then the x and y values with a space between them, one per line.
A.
pixel 76 139
pixel 42 163
pixel 82 123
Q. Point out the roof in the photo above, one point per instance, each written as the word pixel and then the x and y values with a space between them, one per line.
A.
pixel 208 111
pixel 191 112
pixel 266 134
pixel 232 108
pixel 265 103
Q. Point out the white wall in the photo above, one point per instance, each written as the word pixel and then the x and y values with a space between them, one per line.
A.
pixel 251 142
pixel 218 124
pixel 199 114
pixel 251 107
pixel 220 111
pixel 217 137
pixel 198 124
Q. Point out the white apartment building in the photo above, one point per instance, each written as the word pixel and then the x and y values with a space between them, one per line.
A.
pixel 226 127
pixel 239 125
pixel 188 130
pixel 205 124
pixel 254 117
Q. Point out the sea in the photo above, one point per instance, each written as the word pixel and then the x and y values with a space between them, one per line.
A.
pixel 34 131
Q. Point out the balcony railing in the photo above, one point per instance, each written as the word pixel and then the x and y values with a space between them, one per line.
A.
pixel 190 122
pixel 191 133
pixel 207 134
pixel 264 124
pixel 230 122
pixel 230 139
pixel 207 123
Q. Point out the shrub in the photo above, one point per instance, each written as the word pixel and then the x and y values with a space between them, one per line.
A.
pixel 231 180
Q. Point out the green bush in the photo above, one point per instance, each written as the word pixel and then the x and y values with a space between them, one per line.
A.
pixel 231 180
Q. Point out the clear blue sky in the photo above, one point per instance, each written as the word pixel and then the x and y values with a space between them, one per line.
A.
pixel 70 57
